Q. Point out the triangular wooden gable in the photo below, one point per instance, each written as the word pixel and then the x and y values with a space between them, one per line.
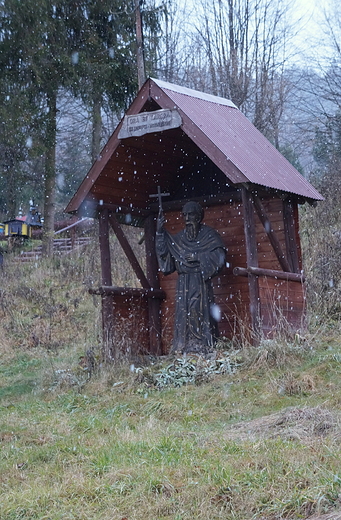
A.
pixel 213 132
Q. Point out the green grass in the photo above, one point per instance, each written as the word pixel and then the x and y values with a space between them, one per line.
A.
pixel 18 377
pixel 262 443
pixel 107 451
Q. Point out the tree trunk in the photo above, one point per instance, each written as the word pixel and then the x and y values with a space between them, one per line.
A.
pixel 96 128
pixel 11 186
pixel 50 177
pixel 141 71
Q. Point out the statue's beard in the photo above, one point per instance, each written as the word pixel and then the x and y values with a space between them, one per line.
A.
pixel 191 231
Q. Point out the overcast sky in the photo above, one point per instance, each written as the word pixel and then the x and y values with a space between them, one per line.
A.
pixel 310 39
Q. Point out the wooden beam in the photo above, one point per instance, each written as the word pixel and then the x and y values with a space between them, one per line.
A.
pixel 129 291
pixel 252 259
pixel 263 217
pixel 129 252
pixel 210 200
pixel 154 309
pixel 290 235
pixel 104 246
pixel 108 351
pixel 125 210
pixel 271 273
pixel 151 259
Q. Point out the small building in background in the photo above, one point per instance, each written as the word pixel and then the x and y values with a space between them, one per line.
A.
pixel 24 226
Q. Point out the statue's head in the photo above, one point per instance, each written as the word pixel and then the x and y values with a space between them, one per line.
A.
pixel 193 215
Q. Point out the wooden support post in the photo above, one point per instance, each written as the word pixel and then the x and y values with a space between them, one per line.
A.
pixel 251 259
pixel 109 351
pixel 290 235
pixel 105 247
pixel 153 279
pixel 263 217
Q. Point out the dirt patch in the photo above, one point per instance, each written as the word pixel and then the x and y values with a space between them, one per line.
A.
pixel 330 516
pixel 299 424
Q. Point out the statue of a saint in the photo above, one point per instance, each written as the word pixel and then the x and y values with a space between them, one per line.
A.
pixel 197 253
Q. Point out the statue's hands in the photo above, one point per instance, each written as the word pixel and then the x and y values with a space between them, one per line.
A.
pixel 160 222
pixel 191 257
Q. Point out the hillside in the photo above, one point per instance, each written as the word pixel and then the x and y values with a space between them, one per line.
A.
pixel 259 439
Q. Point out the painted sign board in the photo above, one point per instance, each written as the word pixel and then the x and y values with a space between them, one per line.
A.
pixel 149 122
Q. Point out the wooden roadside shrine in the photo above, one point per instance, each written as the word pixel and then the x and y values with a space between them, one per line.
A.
pixel 196 146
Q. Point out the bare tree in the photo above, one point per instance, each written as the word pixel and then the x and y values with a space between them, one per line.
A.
pixel 174 59
pixel 237 49
pixel 246 48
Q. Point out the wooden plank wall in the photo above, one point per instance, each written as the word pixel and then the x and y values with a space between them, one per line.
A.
pixel 131 326
pixel 279 299
pixel 231 292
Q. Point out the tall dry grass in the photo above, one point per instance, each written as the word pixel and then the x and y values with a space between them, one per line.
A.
pixel 320 229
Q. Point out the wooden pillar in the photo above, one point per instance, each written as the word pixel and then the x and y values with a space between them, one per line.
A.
pixel 251 259
pixel 105 247
pixel 109 351
pixel 290 235
pixel 153 279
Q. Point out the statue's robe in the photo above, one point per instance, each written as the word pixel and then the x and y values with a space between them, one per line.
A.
pixel 195 328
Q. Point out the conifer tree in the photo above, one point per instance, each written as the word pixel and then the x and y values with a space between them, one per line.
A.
pixel 51 46
pixel 35 55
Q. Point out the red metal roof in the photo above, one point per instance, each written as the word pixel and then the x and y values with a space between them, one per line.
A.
pixel 215 125
pixel 238 139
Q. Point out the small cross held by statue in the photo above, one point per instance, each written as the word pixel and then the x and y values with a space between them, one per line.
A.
pixel 159 195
